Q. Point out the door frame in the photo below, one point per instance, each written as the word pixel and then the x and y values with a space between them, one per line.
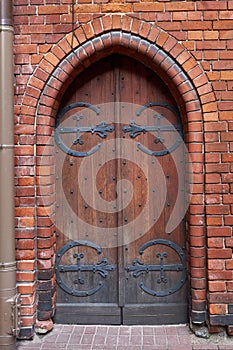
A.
pixel 168 61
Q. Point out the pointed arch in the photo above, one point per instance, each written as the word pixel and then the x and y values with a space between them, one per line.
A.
pixel 176 66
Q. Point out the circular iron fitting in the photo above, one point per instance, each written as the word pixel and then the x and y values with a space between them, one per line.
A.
pixel 102 268
pixel 135 129
pixel 139 268
pixel 100 130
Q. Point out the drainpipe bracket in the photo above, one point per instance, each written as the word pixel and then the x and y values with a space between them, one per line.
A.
pixel 6 28
pixel 10 316
pixel 6 146
pixel 7 266
pixel 15 306
pixel 10 302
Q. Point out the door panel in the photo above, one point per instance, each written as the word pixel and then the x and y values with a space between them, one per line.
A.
pixel 119 177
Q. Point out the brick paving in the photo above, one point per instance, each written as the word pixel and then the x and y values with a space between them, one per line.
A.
pixel 76 337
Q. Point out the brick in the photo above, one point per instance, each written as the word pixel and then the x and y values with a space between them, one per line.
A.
pixel 217 286
pixel 209 5
pixel 218 209
pixel 25 265
pixel 25 277
pixel 230 286
pixel 23 150
pixel 227 157
pixel 54 9
pixel 116 8
pixel 211 35
pixel 217 309
pixel 180 6
pixel 25 254
pixel 219 253
pixel 229 242
pixel 228 199
pixel 217 188
pixel 198 273
pixel 215 126
pixel 44 264
pixel 44 243
pixel 28 332
pixel 230 330
pixel 223 65
pixel 196 241
pixel 213 220
pixel 211 137
pixel 228 220
pixel 26 222
pixel 212 178
pixel 37 29
pixel 215 242
pixel 229 264
pixel 226 24
pixel 42 327
pixel 226 136
pixel 220 275
pixel 218 323
pixel 25 49
pixel 216 168
pixel 25 243
pixel 211 45
pixel 87 8
pixel 195 35
pixel 197 25
pixel 197 262
pixel 148 6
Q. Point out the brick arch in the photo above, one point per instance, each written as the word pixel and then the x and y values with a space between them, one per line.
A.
pixel 162 53
pixel 60 61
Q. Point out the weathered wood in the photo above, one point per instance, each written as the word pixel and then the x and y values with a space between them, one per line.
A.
pixel 87 314
pixel 156 314
pixel 138 192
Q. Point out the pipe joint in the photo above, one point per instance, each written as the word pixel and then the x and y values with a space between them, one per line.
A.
pixel 6 16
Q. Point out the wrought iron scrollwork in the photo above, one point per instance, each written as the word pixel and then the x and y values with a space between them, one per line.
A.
pixel 138 268
pixel 135 129
pixel 102 268
pixel 100 129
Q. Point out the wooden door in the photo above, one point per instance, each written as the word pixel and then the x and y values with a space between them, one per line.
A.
pixel 120 199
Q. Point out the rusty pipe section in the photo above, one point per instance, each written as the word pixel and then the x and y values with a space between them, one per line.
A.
pixel 9 300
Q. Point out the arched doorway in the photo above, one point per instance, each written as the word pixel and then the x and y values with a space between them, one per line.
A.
pixel 119 182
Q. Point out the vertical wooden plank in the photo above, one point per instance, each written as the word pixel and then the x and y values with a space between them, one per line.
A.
pixel 85 188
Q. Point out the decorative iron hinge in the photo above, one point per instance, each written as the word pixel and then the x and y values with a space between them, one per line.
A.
pixel 135 129
pixel 139 268
pixel 100 129
pixel 101 267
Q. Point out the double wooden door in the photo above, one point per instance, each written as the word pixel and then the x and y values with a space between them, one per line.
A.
pixel 120 199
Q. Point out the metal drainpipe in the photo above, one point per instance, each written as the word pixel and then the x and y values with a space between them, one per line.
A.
pixel 9 299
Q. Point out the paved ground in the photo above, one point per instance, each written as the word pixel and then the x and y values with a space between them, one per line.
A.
pixel 177 337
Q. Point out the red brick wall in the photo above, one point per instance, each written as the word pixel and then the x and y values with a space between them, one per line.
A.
pixel 198 37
